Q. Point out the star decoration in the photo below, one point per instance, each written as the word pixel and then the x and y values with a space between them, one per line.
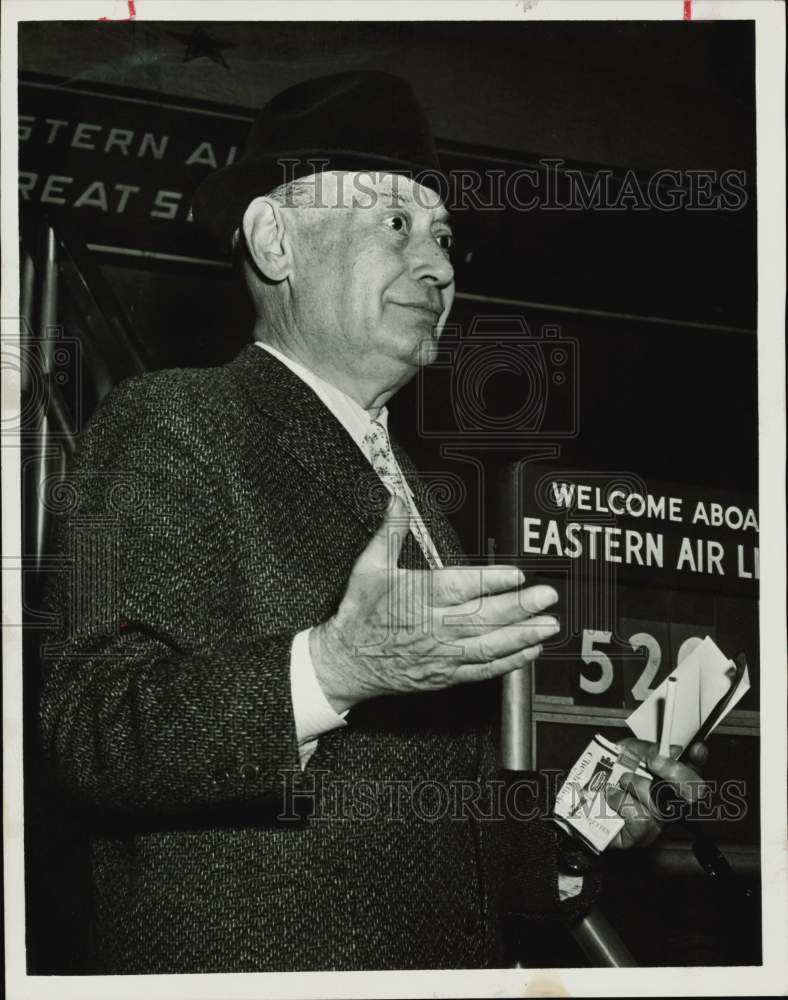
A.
pixel 200 44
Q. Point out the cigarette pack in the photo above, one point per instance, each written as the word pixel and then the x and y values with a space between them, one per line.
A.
pixel 581 807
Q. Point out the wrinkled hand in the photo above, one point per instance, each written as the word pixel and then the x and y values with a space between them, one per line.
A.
pixel 399 631
pixel 633 800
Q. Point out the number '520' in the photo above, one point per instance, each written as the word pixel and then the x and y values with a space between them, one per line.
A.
pixel 639 640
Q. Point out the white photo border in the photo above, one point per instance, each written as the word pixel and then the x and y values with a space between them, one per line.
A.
pixel 772 976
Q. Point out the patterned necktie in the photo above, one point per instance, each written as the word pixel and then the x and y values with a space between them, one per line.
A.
pixel 387 467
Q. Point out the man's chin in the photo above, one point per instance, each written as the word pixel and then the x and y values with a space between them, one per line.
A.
pixel 424 351
pixel 414 347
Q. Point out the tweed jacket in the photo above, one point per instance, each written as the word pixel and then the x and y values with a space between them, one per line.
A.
pixel 209 515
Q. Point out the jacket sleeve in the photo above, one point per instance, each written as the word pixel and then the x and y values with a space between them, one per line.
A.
pixel 524 843
pixel 148 700
pixel 531 855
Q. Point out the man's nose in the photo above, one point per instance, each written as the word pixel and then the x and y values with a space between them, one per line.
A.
pixel 429 263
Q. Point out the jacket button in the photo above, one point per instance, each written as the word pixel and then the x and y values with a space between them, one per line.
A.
pixel 249 772
pixel 220 778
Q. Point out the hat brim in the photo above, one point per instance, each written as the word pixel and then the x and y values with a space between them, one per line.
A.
pixel 221 199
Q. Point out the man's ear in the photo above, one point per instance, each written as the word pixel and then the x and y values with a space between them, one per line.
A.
pixel 267 238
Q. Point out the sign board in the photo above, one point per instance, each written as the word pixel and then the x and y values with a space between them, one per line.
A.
pixel 125 165
pixel 122 164
pixel 644 570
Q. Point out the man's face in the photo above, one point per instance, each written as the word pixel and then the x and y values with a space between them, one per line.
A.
pixel 373 278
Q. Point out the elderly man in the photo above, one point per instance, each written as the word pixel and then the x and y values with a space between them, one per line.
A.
pixel 274 693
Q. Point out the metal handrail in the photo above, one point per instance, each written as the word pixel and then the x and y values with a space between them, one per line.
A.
pixel 52 259
pixel 597 938
pixel 113 349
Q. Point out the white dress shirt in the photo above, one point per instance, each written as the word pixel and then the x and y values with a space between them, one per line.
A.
pixel 312 713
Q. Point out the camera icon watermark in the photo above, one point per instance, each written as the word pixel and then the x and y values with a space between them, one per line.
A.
pixel 49 372
pixel 504 384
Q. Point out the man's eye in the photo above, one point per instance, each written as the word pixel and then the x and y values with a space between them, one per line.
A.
pixel 445 241
pixel 398 223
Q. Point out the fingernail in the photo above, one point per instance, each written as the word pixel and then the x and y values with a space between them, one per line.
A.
pixel 544 596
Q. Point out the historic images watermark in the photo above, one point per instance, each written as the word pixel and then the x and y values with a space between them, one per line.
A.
pixel 317 797
pixel 547 184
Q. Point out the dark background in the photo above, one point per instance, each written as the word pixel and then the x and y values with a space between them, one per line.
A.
pixel 660 305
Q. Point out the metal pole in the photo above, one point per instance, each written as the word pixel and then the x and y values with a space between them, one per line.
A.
pixel 595 936
pixel 48 317
pixel 516 712
pixel 47 320
pixel 600 942
pixel 26 304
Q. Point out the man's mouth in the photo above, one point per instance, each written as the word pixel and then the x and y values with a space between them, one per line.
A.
pixel 424 307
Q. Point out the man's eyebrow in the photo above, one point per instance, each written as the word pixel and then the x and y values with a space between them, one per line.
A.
pixel 398 198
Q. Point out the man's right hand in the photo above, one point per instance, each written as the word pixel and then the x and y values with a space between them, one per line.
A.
pixel 399 631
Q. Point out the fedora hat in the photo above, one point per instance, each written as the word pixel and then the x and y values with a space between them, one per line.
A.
pixel 347 121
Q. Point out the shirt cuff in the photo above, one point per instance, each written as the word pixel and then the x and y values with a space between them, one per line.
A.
pixel 569 886
pixel 313 715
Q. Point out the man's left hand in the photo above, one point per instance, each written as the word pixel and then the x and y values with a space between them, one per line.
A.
pixel 633 802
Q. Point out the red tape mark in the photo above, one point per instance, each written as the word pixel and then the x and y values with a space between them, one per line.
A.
pixel 132 14
pixel 687 10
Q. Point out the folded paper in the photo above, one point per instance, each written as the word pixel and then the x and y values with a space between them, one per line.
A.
pixel 703 677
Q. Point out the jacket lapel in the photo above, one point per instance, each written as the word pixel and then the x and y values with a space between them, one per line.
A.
pixel 314 437
pixel 310 433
